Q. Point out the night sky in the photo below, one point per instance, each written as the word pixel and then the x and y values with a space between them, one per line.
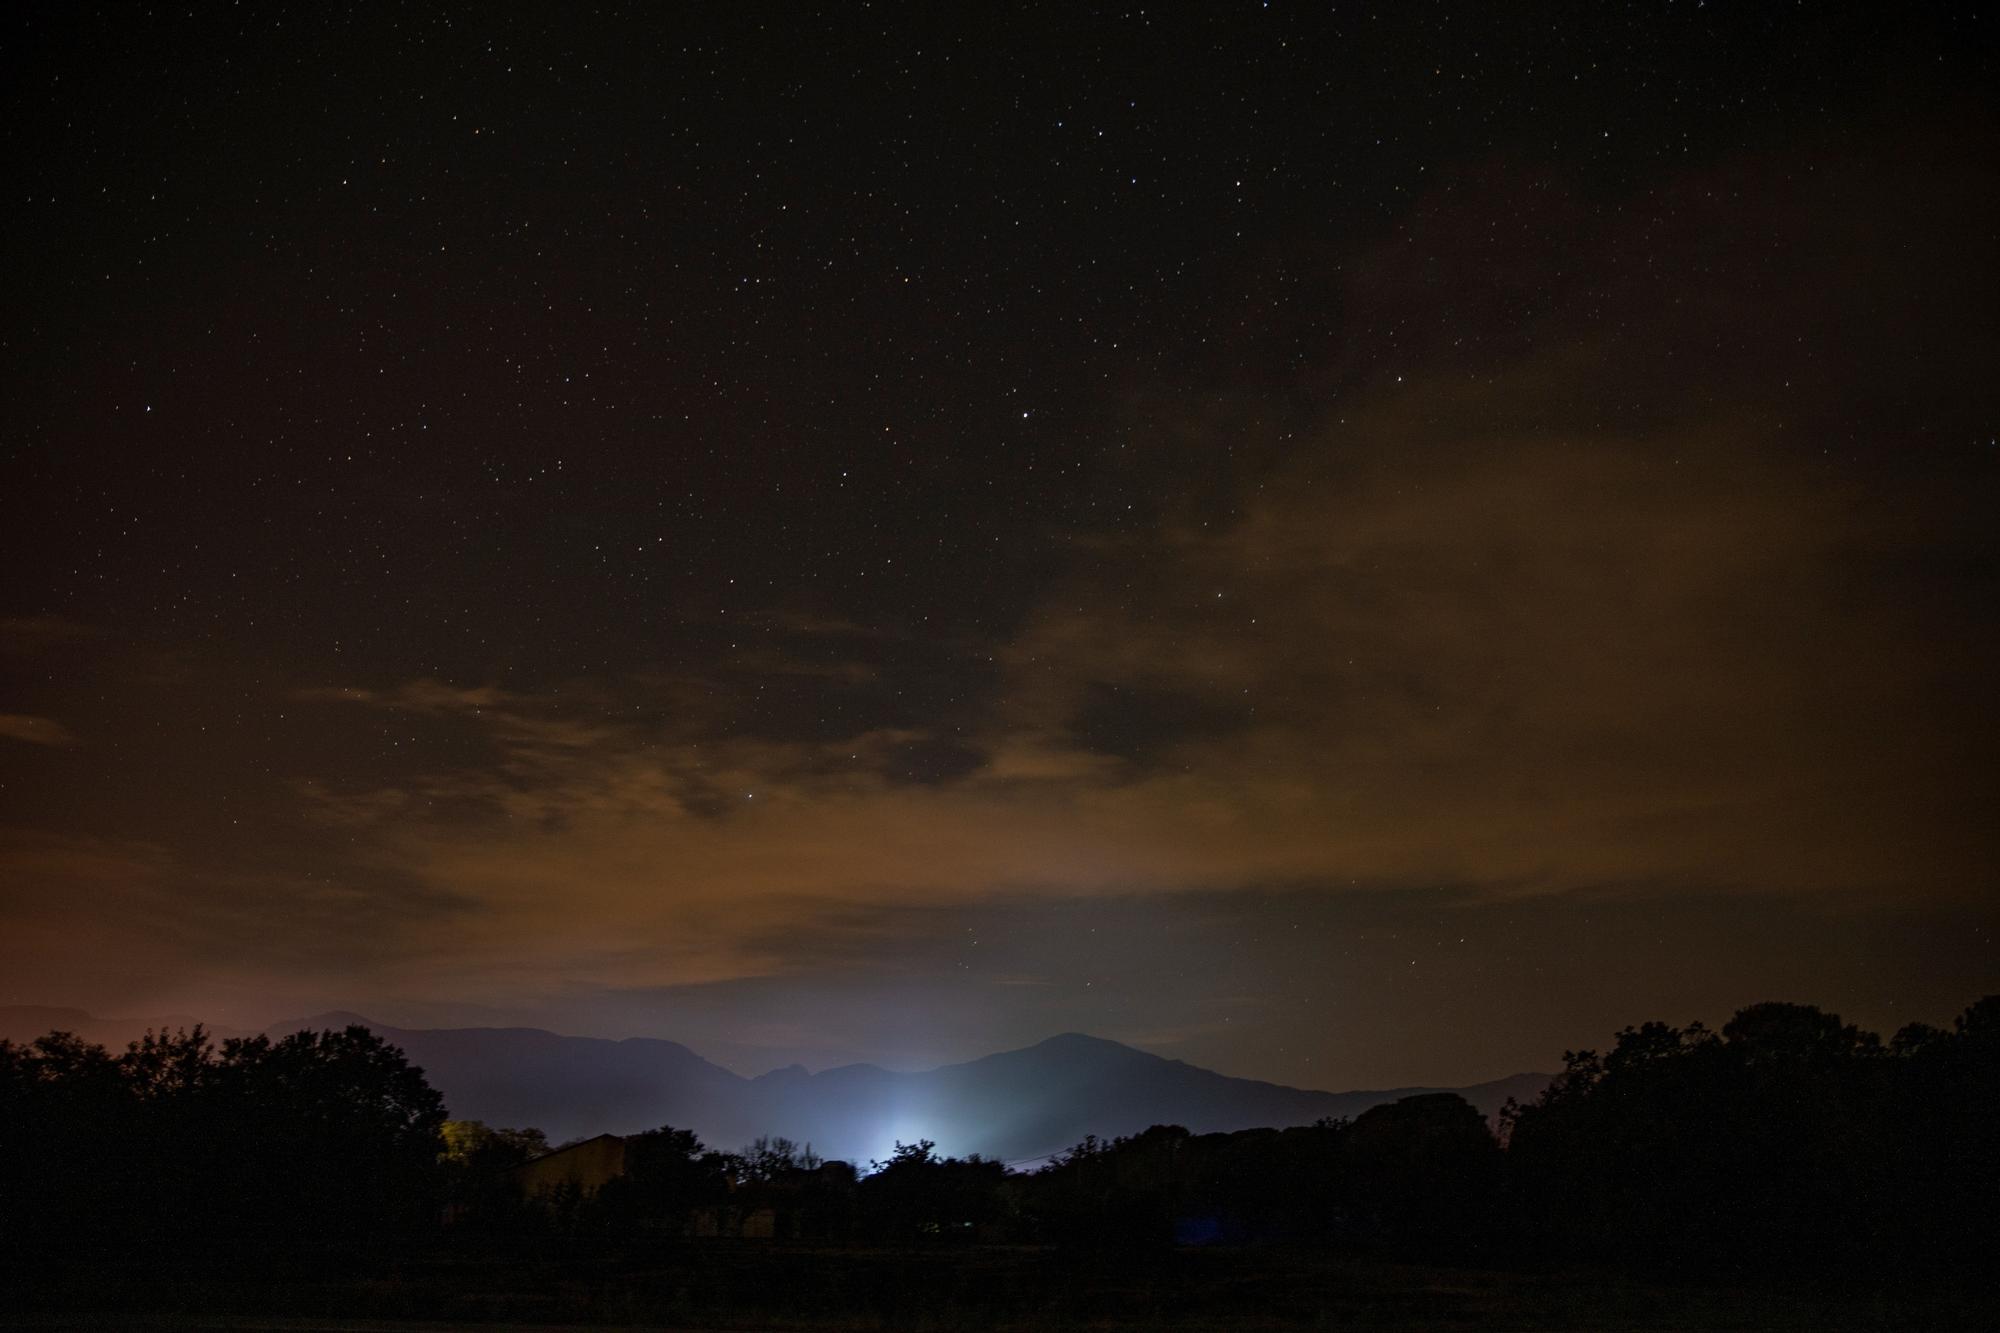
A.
pixel 1349 546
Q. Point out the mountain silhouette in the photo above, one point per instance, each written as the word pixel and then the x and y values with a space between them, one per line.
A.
pixel 1018 1106
pixel 570 1087
pixel 25 1022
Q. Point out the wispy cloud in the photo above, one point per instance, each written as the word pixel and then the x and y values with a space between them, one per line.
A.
pixel 35 730
pixel 34 634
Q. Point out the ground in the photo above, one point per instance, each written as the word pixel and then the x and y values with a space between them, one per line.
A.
pixel 747 1286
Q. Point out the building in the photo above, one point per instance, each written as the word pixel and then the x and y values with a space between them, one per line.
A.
pixel 580 1169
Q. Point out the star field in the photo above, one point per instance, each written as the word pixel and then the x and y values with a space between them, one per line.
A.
pixel 679 522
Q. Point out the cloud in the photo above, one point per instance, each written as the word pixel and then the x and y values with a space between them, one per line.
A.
pixel 35 730
pixel 1505 664
pixel 767 663
pixel 1568 587
pixel 1579 585
pixel 417 696
pixel 1504 658
pixel 24 635
pixel 131 921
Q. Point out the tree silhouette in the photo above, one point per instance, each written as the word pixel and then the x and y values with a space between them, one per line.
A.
pixel 476 1161
pixel 330 1135
pixel 667 1172
pixel 1787 1138
pixel 772 1158
pixel 1791 1138
pixel 1422 1172
pixel 916 1195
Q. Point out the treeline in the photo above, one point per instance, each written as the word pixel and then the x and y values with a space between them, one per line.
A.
pixel 1786 1139
pixel 1421 1172
pixel 320 1138
pixel 673 1186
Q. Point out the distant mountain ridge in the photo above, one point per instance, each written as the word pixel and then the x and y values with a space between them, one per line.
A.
pixel 1016 1105
pixel 25 1022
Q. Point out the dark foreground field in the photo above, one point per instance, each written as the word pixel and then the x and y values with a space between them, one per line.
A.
pixel 751 1286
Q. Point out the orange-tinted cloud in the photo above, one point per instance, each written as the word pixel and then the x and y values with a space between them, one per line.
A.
pixel 35 730
pixel 1600 584
pixel 1594 606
